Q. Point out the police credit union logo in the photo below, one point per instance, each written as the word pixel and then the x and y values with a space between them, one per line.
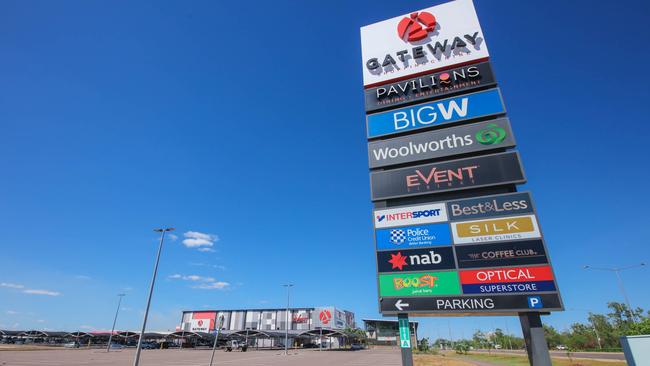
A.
pixel 397 236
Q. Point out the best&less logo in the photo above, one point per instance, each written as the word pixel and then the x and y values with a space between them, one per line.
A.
pixel 501 205
pixel 511 228
pixel 419 284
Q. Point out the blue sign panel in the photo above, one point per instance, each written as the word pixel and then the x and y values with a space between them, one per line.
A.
pixel 510 287
pixel 413 236
pixel 439 112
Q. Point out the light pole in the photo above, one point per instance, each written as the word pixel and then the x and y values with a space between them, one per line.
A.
pixel 136 360
pixel 110 337
pixel 214 346
pixel 286 327
pixel 617 271
pixel 600 347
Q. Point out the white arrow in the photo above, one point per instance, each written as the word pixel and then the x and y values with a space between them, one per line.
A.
pixel 400 305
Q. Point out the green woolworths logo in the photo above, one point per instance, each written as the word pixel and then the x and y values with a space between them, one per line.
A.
pixel 491 135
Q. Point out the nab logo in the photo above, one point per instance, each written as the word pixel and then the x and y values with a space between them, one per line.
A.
pixel 411 29
pixel 398 261
pixel 535 302
pixel 380 218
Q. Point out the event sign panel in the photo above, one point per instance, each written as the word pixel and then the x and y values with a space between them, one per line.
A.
pixel 514 253
pixel 464 139
pixel 452 175
pixel 428 87
pixel 498 304
pixel 429 259
pixel 433 38
pixel 440 112
pixel 419 284
pixel 413 236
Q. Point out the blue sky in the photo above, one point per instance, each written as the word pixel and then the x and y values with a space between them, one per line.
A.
pixel 245 123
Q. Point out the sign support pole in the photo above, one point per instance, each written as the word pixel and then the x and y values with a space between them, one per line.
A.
pixel 536 346
pixel 405 336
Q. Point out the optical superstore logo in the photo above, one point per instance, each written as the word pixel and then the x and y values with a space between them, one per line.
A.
pixel 508 280
pixel 411 215
pixel 503 229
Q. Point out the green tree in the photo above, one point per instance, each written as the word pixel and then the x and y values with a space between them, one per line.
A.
pixel 553 337
pixel 639 328
pixel 423 344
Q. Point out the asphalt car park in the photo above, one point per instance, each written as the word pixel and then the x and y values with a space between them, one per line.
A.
pixel 186 357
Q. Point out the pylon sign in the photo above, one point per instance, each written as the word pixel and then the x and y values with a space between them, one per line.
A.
pixel 452 234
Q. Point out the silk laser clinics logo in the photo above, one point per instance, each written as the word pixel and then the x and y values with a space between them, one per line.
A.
pixel 417 27
pixel 491 135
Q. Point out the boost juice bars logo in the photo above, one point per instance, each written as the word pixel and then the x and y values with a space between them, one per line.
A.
pixel 419 284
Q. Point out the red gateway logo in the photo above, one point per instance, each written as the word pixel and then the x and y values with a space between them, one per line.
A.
pixel 325 316
pixel 411 28
pixel 200 323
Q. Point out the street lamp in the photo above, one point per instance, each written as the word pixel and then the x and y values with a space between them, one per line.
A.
pixel 617 271
pixel 286 328
pixel 593 325
pixel 216 338
pixel 136 360
pixel 110 337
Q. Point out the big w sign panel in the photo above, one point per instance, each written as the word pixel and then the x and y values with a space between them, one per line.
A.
pixel 452 235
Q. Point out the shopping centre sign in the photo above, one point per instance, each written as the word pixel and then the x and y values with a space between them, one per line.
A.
pixel 422 41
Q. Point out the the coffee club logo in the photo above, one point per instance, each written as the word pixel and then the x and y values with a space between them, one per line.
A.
pixel 491 135
pixel 419 284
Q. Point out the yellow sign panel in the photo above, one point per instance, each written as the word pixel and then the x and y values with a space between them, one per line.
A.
pixel 497 226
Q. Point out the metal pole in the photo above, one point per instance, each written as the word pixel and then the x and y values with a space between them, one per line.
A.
pixel 320 339
pixel 136 360
pixel 407 352
pixel 110 337
pixel 536 346
pixel 214 345
pixel 627 300
pixel 286 327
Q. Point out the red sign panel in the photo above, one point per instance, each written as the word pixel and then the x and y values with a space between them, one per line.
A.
pixel 504 275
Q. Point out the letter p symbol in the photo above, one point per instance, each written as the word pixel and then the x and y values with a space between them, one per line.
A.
pixel 535 302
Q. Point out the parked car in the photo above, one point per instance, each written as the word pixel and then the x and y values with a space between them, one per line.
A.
pixel 116 346
pixel 560 347
pixel 235 345
pixel 71 345
pixel 149 345
pixel 357 346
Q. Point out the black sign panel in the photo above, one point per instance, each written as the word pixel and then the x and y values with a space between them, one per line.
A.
pixel 514 253
pixel 471 304
pixel 490 206
pixel 475 172
pixel 428 87
pixel 458 140
pixel 433 258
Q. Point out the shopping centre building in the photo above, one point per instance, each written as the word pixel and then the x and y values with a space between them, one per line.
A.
pixel 267 327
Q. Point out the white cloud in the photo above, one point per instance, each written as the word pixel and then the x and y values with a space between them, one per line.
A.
pixel 82 277
pixel 29 291
pixel 41 292
pixel 40 321
pixel 217 285
pixel 203 282
pixel 198 240
pixel 172 237
pixel 11 312
pixel 206 250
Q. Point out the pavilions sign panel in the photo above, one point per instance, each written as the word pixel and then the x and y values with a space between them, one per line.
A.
pixel 432 38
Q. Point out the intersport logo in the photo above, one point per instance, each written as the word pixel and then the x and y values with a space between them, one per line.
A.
pixel 413 215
